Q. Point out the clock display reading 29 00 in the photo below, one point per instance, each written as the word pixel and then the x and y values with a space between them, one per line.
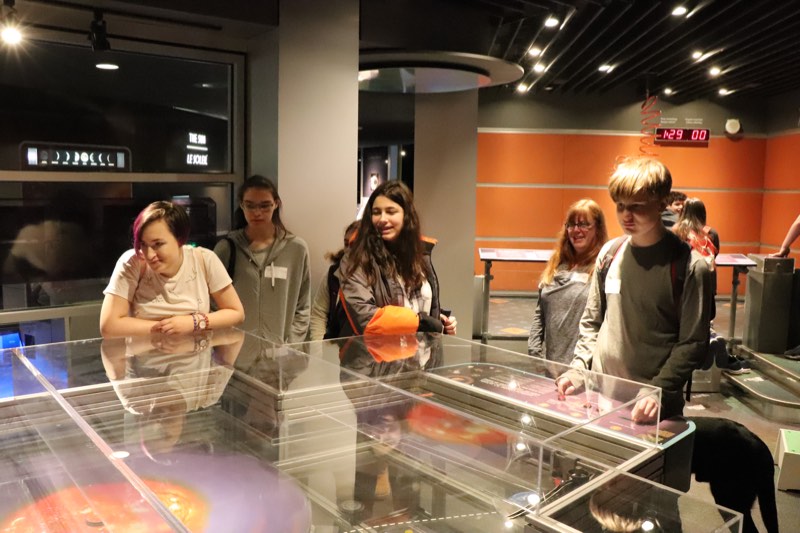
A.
pixel 682 136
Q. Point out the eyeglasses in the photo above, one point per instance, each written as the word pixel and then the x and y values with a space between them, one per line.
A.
pixel 266 206
pixel 583 226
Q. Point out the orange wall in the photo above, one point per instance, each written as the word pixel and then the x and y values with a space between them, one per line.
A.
pixel 526 181
pixel 781 192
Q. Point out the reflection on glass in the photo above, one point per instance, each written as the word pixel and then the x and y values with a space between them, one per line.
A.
pixel 394 443
pixel 59 243
pixel 169 114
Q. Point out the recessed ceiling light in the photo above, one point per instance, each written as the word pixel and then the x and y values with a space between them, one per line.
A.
pixel 679 11
pixel 697 54
pixel 11 35
pixel 551 22
pixel 107 66
pixel 605 68
pixel 667 91
pixel 724 92
pixel 715 71
pixel 534 51
pixel 521 88
pixel 539 67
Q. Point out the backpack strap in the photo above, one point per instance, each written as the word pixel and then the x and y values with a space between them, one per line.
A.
pixel 332 326
pixel 231 266
pixel 678 268
pixel 605 265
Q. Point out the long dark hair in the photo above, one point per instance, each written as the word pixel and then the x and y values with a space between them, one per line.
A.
pixel 257 181
pixel 692 219
pixel 402 258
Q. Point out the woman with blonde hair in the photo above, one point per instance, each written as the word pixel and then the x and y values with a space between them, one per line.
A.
pixel 564 285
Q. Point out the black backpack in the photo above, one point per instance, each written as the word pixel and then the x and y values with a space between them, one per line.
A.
pixel 332 328
pixel 677 272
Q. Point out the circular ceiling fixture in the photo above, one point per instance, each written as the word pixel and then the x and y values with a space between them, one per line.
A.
pixel 432 72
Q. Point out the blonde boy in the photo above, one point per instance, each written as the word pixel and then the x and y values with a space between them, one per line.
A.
pixel 654 325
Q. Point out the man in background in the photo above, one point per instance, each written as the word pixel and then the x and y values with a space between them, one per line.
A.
pixel 672 213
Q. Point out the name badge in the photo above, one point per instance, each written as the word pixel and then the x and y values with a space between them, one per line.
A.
pixel 580 277
pixel 276 272
pixel 613 286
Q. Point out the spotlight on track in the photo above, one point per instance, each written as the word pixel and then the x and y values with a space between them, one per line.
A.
pixel 9 24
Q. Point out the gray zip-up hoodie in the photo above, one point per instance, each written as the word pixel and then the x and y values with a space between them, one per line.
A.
pixel 276 291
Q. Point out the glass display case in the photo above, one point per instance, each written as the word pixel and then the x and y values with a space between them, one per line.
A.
pixel 228 432
pixel 518 392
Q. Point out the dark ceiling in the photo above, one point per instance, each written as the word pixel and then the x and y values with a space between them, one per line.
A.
pixel 755 43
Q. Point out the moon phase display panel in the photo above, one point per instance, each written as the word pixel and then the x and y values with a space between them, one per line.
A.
pixel 682 137
pixel 63 157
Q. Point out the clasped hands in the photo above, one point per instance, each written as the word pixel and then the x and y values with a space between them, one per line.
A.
pixel 174 325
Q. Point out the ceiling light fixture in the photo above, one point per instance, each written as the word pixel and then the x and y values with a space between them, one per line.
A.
pixel 605 68
pixel 539 67
pixel 107 66
pixel 724 92
pixel 551 22
pixel 97 33
pixel 679 11
pixel 715 71
pixel 668 91
pixel 534 51
pixel 521 88
pixel 697 54
pixel 10 33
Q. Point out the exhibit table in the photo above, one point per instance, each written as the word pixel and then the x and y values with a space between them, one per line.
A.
pixel 740 263
pixel 506 255
pixel 227 432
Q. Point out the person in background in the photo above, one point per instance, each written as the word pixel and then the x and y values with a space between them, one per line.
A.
pixel 323 309
pixel 164 286
pixel 791 236
pixel 692 228
pixel 564 285
pixel 269 266
pixel 670 215
pixel 634 327
pixel 388 284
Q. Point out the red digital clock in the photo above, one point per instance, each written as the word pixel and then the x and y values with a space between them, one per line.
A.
pixel 682 137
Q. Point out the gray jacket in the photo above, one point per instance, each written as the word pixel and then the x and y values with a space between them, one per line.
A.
pixel 275 293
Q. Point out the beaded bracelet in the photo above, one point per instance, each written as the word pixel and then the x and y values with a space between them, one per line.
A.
pixel 205 320
pixel 194 320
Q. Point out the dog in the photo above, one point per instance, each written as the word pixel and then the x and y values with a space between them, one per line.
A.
pixel 739 467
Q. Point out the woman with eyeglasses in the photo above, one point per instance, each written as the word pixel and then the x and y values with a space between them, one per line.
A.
pixel 564 285
pixel 269 266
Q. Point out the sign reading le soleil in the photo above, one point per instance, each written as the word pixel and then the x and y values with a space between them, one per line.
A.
pixel 198 150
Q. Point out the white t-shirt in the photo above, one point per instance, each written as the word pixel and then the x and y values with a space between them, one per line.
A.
pixel 154 297
pixel 420 302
